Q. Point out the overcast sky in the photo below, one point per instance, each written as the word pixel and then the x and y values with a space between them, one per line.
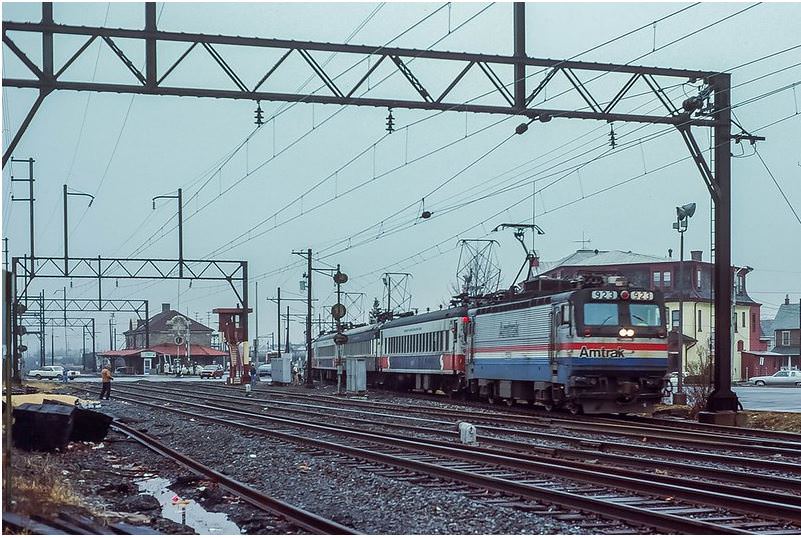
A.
pixel 125 150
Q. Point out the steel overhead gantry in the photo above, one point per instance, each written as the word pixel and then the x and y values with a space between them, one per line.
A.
pixel 87 325
pixel 23 271
pixel 710 109
pixel 140 307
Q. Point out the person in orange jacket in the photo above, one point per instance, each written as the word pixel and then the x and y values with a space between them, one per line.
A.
pixel 105 376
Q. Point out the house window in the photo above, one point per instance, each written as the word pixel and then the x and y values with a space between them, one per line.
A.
pixel 743 319
pixel 753 322
pixel 699 322
pixel 666 278
pixel 657 278
pixel 785 338
pixel 698 278
pixel 674 319
pixel 740 283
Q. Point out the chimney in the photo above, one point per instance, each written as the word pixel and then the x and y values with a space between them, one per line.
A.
pixel 165 307
pixel 787 299
pixel 670 253
pixel 695 255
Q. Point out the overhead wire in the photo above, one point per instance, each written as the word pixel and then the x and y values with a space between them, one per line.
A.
pixel 249 231
pixel 713 24
pixel 285 108
pixel 343 108
pixel 495 215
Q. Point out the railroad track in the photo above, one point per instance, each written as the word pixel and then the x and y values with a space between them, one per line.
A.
pixel 64 523
pixel 302 519
pixel 765 445
pixel 653 504
pixel 623 464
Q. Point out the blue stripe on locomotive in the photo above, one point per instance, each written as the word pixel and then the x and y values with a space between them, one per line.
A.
pixel 539 368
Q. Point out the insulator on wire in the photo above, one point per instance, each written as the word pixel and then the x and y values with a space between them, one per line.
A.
pixel 612 139
pixel 259 114
pixel 390 122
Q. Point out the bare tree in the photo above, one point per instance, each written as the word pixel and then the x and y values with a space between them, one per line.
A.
pixel 698 383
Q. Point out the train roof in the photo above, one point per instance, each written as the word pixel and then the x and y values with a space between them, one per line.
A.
pixel 426 316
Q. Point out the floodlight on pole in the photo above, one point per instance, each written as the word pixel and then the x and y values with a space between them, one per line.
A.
pixel 683 214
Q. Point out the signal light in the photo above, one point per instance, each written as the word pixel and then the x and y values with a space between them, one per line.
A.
pixel 465 319
pixel 624 295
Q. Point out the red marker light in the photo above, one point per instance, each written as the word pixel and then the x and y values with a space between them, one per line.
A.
pixel 465 319
pixel 587 332
pixel 624 295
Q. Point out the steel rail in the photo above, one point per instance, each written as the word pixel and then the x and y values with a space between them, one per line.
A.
pixel 782 498
pixel 556 455
pixel 763 446
pixel 758 480
pixel 697 426
pixel 302 518
pixel 649 450
pixel 630 514
pixel 781 512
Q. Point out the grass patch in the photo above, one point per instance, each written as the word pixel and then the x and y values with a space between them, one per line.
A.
pixel 39 486
pixel 770 420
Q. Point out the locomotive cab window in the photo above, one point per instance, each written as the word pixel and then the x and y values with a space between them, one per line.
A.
pixel 565 315
pixel 646 315
pixel 601 314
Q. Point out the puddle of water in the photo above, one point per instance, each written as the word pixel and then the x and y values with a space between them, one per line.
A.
pixel 197 517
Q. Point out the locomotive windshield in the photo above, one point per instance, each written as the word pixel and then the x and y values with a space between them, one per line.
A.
pixel 601 314
pixel 645 315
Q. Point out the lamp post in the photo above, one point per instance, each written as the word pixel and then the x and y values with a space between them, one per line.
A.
pixel 66 230
pixel 180 199
pixel 683 215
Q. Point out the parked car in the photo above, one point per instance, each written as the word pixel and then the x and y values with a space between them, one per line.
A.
pixel 46 372
pixel 264 370
pixel 211 371
pixel 782 377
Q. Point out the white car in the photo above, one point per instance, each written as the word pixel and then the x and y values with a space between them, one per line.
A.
pixel 782 377
pixel 51 372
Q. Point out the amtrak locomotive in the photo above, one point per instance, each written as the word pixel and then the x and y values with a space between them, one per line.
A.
pixel 588 346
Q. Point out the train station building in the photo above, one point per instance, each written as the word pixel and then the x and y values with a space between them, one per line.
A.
pixel 176 340
pixel 692 282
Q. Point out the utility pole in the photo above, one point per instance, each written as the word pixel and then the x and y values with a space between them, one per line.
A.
pixel 309 381
pixel 30 199
pixel 287 330
pixel 277 299
pixel 66 230
pixel 279 320
pixel 308 275
pixel 256 339
pixel 5 254
pixel 180 199
pixel 65 321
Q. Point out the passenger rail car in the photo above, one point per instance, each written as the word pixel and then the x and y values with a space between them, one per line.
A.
pixel 596 350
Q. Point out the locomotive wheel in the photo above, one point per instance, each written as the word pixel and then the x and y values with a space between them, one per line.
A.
pixel 548 407
pixel 574 409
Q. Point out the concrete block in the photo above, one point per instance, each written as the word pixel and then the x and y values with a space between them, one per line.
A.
pixel 723 418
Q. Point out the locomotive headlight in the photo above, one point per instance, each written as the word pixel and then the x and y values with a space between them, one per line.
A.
pixel 629 332
pixel 626 332
pixel 622 332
